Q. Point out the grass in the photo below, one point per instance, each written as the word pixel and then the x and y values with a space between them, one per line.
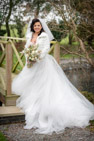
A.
pixel 91 126
pixel 64 41
pixel 91 55
pixel 68 56
pixel 2 137
pixel 90 97
pixel 75 43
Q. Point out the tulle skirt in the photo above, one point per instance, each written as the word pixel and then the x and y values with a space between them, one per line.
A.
pixel 49 100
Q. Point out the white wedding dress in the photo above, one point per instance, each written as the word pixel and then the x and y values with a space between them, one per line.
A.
pixel 49 100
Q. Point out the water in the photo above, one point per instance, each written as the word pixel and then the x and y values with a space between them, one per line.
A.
pixel 82 79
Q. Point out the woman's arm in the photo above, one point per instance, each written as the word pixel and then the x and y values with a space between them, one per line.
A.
pixel 44 45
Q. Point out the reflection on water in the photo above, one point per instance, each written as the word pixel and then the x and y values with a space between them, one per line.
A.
pixel 82 79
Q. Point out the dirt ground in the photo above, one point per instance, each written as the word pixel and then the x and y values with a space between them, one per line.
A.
pixel 16 132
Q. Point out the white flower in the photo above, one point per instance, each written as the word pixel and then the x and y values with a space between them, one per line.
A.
pixel 36 51
pixel 32 58
pixel 35 58
pixel 27 55
pixel 27 49
pixel 33 52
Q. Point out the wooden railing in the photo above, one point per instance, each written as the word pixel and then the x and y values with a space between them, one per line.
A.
pixel 8 50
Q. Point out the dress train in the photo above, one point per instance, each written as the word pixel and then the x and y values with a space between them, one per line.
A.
pixel 49 100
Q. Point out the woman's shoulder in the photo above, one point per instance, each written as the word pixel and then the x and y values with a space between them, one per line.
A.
pixel 43 34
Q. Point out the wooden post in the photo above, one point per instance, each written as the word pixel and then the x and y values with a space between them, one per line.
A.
pixel 8 68
pixel 57 52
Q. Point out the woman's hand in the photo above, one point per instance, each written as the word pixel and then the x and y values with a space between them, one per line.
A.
pixel 33 62
pixel 30 63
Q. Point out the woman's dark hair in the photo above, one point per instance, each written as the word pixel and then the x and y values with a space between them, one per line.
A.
pixel 32 25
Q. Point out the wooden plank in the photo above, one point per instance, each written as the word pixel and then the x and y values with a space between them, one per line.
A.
pixel 2 46
pixel 14 38
pixel 57 52
pixel 4 42
pixel 51 49
pixel 2 98
pixel 15 66
pixel 3 72
pixel 17 54
pixel 3 81
pixel 2 91
pixel 8 67
pixel 2 57
pixel 53 42
pixel 11 100
pixel 10 111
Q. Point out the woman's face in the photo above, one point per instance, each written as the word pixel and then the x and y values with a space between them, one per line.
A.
pixel 37 27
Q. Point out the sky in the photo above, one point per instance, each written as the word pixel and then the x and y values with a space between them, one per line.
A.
pixel 47 18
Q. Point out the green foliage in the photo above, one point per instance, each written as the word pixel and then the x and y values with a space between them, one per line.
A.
pixel 19 25
pixel 89 96
pixel 58 29
pixel 0 16
pixel 57 35
pixel 85 28
pixel 2 137
pixel 2 32
pixel 65 41
pixel 14 30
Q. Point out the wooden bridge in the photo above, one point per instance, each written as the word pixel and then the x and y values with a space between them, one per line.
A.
pixel 9 68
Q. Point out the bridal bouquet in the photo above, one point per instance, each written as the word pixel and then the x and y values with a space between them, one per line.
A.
pixel 32 53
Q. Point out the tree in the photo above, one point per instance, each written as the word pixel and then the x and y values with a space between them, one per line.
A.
pixel 86 24
pixel 72 19
pixel 58 29
pixel 35 7
pixel 6 8
pixel 19 25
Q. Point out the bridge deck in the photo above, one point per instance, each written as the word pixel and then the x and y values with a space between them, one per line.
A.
pixel 10 111
pixel 11 114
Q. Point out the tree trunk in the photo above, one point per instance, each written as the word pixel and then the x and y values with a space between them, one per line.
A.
pixel 8 17
pixel 85 51
pixel 70 37
pixel 37 10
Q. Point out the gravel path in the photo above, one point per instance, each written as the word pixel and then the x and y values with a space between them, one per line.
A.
pixel 15 132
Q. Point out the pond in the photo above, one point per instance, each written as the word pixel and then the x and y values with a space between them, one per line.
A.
pixel 82 79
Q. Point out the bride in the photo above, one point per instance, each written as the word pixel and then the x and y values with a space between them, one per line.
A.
pixel 49 100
